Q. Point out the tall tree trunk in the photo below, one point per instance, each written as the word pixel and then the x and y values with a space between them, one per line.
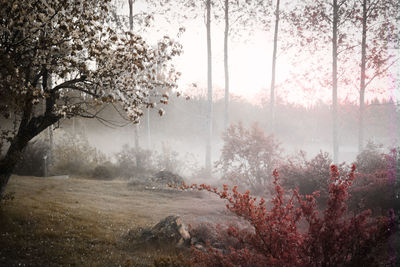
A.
pixel 274 52
pixel 148 131
pixel 209 91
pixel 131 14
pixel 335 83
pixel 362 79
pixel 226 66
pixel 136 127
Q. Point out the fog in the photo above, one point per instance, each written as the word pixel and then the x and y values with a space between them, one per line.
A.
pixel 199 133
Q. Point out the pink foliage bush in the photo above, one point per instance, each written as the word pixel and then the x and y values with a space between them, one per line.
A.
pixel 294 233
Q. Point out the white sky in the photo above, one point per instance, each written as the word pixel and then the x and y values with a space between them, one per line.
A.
pixel 250 65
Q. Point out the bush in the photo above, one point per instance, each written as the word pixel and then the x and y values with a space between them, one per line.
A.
pixel 308 175
pixel 32 160
pixel 168 160
pixel 106 171
pixel 74 155
pixel 377 185
pixel 277 238
pixel 132 162
pixel 248 156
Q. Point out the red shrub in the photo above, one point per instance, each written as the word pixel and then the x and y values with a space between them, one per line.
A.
pixel 330 239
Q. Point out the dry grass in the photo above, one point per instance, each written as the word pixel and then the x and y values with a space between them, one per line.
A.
pixel 55 222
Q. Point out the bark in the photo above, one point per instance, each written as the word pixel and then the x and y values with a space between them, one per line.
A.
pixel 274 52
pixel 28 129
pixel 362 79
pixel 209 91
pixel 131 14
pixel 335 83
pixel 226 66
pixel 136 130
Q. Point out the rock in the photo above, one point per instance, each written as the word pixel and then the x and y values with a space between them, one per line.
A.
pixel 167 177
pixel 170 230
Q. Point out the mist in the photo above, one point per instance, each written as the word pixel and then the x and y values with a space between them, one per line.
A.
pixel 199 133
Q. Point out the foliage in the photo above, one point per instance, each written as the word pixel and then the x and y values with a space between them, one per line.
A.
pixel 248 156
pixel 277 238
pixel 371 159
pixel 60 59
pixel 377 185
pixel 32 159
pixel 308 175
pixel 168 160
pixel 73 154
pixel 134 162
pixel 106 171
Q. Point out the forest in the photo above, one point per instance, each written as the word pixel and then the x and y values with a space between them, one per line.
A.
pixel 199 133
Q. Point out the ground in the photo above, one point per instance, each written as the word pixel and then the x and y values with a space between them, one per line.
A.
pixel 82 222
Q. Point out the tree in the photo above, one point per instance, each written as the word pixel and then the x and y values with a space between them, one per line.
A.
pixel 92 65
pixel 377 20
pixel 192 10
pixel 327 22
pixel 272 97
pixel 209 89
pixel 235 12
pixel 226 65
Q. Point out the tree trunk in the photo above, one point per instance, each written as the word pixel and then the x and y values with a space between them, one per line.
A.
pixel 136 127
pixel 209 91
pixel 362 79
pixel 226 66
pixel 148 131
pixel 131 14
pixel 272 97
pixel 335 83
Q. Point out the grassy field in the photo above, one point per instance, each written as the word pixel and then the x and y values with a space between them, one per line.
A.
pixel 82 222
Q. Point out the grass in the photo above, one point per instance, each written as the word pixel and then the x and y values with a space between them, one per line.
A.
pixel 82 222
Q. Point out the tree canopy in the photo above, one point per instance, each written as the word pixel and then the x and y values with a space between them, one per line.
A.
pixel 77 46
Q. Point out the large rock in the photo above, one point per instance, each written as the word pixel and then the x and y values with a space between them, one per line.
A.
pixel 170 230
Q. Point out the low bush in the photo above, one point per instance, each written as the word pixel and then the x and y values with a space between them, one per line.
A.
pixel 106 171
pixel 377 186
pixel 74 155
pixel 132 162
pixel 308 176
pixel 294 233
pixel 248 157
pixel 33 159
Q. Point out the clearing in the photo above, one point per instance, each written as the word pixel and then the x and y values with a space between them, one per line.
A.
pixel 82 222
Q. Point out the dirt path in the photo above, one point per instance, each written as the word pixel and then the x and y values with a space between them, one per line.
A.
pixel 79 222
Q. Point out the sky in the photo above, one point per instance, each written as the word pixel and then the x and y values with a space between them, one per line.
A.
pixel 250 58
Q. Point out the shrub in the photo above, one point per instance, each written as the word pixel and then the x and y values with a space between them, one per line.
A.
pixel 276 239
pixel 106 171
pixel 308 175
pixel 248 156
pixel 74 155
pixel 168 160
pixel 377 185
pixel 132 162
pixel 32 160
